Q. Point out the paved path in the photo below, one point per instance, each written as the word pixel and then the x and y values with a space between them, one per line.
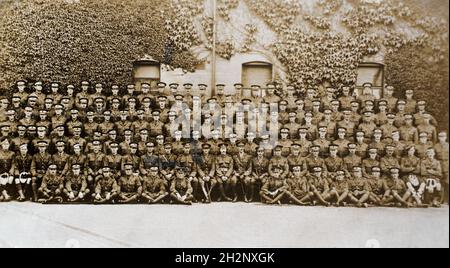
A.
pixel 219 225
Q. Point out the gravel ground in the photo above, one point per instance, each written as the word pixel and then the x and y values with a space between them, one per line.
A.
pixel 219 225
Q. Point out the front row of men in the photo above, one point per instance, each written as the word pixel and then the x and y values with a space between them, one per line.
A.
pixel 309 181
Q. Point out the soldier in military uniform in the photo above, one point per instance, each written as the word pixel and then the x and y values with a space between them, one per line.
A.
pixel 396 190
pixel 106 187
pixel 442 153
pixel 423 145
pixel 298 188
pixel 416 186
pixel 52 186
pixel 76 187
pixel 225 174
pixel 279 161
pixel 391 100
pixel 314 159
pixel 322 142
pixel 206 169
pixel 39 166
pixel 340 188
pixel 156 127
pixel 22 171
pixel 319 186
pixel 243 170
pixel 60 158
pixel 95 162
pixel 274 187
pixel 114 159
pixel 427 127
pixel 6 169
pixel 153 188
pixel 333 163
pixel 129 186
pixel 377 185
pixel 359 189
pixel 410 163
pixel 389 161
pixel 186 160
pixel 180 188
pixel 408 133
pixel 352 159
pixel 347 124
pixel 431 171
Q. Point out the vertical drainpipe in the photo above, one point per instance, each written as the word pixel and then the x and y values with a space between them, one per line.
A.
pixel 213 56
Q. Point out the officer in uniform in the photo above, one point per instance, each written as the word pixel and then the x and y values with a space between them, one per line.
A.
pixel 52 186
pixel 95 162
pixel 292 125
pixel 342 142
pixel 428 128
pixel 187 162
pixel 391 100
pixel 225 174
pixel 314 159
pixel 130 186
pixel 442 153
pixel 156 127
pixel 132 157
pixel 423 145
pixel 396 190
pixel 153 188
pixel 106 188
pixel 319 186
pixel 243 170
pixel 370 162
pixel 352 159
pixel 61 157
pixel 113 159
pixel 274 187
pixel 418 117
pixel 340 188
pixel 299 190
pixel 6 168
pixel 76 158
pixel 389 160
pixel 361 145
pixel 333 163
pixel 359 189
pixel 431 171
pixel 149 159
pixel 322 142
pixel 206 172
pixel 410 163
pixel 346 98
pixel 76 187
pixel 260 171
pixel 347 123
pixel 39 166
pixel 367 125
pixel 181 191
pixel 168 163
pixel 411 103
pixel 285 142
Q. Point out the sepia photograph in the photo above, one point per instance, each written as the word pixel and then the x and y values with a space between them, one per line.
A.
pixel 224 124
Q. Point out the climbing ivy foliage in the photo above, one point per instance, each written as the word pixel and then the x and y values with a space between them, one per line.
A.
pixel 318 42
pixel 74 40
